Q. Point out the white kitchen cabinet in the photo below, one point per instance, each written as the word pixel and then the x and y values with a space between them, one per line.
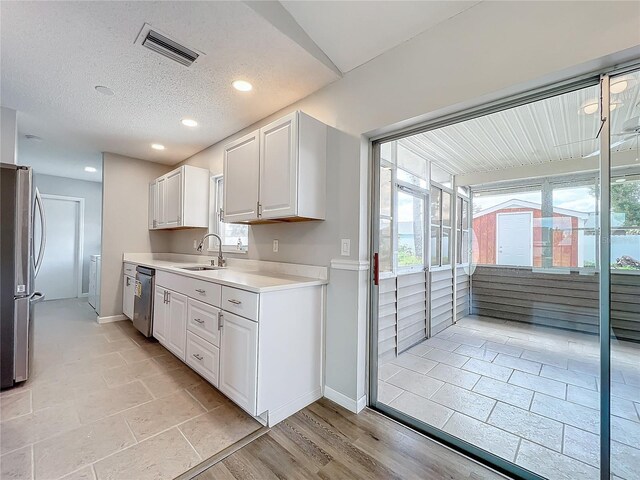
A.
pixel 277 173
pixel 180 199
pixel 170 320
pixel 239 361
pixel 128 295
pixel 241 178
pixel 203 357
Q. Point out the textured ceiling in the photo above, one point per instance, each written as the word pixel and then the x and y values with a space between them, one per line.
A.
pixel 538 133
pixel 54 53
pixel 353 32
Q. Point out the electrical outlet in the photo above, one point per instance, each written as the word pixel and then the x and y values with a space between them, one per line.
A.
pixel 345 247
pixel 275 245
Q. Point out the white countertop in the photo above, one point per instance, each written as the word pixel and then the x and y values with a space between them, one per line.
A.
pixel 247 275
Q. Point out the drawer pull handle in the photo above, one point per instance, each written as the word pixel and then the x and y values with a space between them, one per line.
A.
pixel 198 320
pixel 200 291
pixel 235 302
pixel 198 357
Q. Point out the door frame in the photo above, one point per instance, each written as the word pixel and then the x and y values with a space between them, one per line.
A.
pixel 79 235
pixel 530 234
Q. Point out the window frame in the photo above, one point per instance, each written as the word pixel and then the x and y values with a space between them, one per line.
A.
pixel 215 218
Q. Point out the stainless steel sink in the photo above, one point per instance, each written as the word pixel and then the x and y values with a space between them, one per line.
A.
pixel 199 268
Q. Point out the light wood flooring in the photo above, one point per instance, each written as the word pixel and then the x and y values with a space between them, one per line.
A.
pixel 325 441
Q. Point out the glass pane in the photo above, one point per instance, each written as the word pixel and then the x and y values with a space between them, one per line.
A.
pixel 412 163
pixel 435 205
pixel 411 179
pixel 440 175
pixel 411 228
pixel 435 246
pixel 446 236
pixel 465 247
pixel 387 151
pixel 446 209
pixel 463 191
pixel 465 215
pixel 236 235
pixel 385 191
pixel 625 277
pixel 458 212
pixel 384 252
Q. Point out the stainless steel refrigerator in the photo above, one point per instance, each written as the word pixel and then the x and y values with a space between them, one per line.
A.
pixel 20 209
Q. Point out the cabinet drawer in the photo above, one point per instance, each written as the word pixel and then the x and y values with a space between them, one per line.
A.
pixel 240 302
pixel 206 292
pixel 203 357
pixel 202 319
pixel 130 269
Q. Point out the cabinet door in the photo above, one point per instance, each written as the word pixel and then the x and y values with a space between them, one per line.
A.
pixel 279 167
pixel 128 296
pixel 159 203
pixel 153 194
pixel 173 199
pixel 239 360
pixel 177 324
pixel 241 165
pixel 160 312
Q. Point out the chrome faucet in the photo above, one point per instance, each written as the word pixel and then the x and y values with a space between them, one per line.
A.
pixel 221 261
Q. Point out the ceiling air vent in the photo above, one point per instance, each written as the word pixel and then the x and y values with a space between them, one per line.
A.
pixel 162 44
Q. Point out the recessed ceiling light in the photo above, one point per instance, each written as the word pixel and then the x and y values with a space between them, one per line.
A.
pixel 90 169
pixel 104 90
pixel 242 85
pixel 33 138
pixel 188 122
pixel 157 146
pixel 619 85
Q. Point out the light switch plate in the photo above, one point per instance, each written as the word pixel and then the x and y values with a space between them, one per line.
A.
pixel 195 244
pixel 345 247
pixel 275 245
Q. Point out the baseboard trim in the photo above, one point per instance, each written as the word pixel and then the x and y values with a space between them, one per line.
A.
pixel 344 401
pixel 294 406
pixel 112 318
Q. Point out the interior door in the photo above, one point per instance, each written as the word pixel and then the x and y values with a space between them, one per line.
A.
pixel 59 276
pixel 278 167
pixel 241 165
pixel 173 199
pixel 514 238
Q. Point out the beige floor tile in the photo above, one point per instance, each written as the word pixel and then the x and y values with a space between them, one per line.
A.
pixel 551 464
pixel 85 473
pixel 422 409
pixel 49 394
pixel 441 344
pixel 475 352
pixel 83 351
pixel 218 429
pixel 464 401
pixel 138 354
pixel 15 405
pixel 581 445
pixel 442 356
pixel 413 362
pixel 81 446
pixel 548 358
pixel 539 384
pixel 455 376
pixel 164 456
pixel 93 365
pixel 153 417
pixel 17 465
pixel 467 339
pixel 168 361
pixel 415 383
pixel 567 412
pixel 488 369
pixel 505 392
pixel 22 431
pixel 169 382
pixel 625 431
pixel 102 403
pixel 518 363
pixel 568 376
pixel 131 372
pixel 388 370
pixel 387 393
pixel 208 396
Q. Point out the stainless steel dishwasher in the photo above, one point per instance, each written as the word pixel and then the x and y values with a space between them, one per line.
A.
pixel 143 301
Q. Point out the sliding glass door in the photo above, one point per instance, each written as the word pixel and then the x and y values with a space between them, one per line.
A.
pixel 513 332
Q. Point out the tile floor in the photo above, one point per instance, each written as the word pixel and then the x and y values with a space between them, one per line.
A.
pixel 105 402
pixel 526 393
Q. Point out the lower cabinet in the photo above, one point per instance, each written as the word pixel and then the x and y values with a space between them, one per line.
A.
pixel 239 361
pixel 128 295
pixel 170 320
pixel 203 357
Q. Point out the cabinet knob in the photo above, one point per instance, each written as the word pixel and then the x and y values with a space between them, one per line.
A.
pixel 200 291
pixel 198 320
pixel 235 302
pixel 198 357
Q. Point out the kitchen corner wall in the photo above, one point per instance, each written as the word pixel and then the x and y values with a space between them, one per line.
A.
pixel 125 198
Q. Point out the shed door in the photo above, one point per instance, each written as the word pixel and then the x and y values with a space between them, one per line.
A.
pixel 515 239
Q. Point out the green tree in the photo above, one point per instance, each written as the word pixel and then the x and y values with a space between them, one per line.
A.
pixel 625 198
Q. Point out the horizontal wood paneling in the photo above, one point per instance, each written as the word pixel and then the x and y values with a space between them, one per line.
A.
pixel 412 309
pixel 567 300
pixel 441 303
pixel 462 293
pixel 387 320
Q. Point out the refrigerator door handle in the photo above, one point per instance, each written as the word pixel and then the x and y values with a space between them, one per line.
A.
pixel 43 233
pixel 36 297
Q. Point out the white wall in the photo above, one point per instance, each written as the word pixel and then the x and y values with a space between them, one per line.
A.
pixel 8 135
pixel 92 194
pixel 125 198
pixel 492 50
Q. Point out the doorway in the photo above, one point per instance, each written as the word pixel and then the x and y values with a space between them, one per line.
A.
pixel 60 275
pixel 515 236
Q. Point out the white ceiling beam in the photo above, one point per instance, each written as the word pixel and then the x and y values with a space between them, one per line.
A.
pixel 278 16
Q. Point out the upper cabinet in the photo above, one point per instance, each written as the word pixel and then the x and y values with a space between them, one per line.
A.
pixel 277 173
pixel 180 199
